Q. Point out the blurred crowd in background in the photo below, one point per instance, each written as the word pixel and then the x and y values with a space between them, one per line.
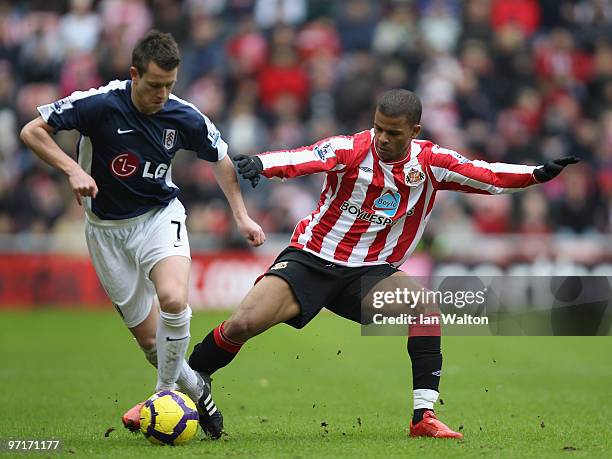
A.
pixel 519 81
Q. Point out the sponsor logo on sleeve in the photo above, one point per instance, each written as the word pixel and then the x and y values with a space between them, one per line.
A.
pixel 323 151
pixel 214 136
pixel 61 105
pixel 445 151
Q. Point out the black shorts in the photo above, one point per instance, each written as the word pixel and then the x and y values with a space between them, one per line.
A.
pixel 319 284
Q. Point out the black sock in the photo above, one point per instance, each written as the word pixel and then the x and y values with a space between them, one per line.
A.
pixel 417 415
pixel 426 358
pixel 214 352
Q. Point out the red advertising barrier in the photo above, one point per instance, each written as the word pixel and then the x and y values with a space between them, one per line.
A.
pixel 221 279
pixel 218 280
pixel 31 280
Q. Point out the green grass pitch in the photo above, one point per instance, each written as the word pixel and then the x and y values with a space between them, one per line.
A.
pixel 324 391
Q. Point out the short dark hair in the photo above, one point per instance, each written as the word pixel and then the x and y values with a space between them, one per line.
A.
pixel 401 102
pixel 158 47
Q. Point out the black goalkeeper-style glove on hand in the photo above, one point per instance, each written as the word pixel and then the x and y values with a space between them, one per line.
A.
pixel 249 167
pixel 553 168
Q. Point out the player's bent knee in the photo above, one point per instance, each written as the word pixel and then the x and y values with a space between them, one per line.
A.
pixel 146 342
pixel 172 303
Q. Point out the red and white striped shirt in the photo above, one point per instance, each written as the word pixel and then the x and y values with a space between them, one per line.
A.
pixel 374 212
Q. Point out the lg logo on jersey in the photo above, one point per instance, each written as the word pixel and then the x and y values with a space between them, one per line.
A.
pixel 126 164
pixel 160 170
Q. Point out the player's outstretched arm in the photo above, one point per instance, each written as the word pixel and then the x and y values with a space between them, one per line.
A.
pixel 37 136
pixel 226 177
pixel 327 155
pixel 451 171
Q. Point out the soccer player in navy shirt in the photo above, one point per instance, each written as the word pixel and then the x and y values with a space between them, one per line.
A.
pixel 135 224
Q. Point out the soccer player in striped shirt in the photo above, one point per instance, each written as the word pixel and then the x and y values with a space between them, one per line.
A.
pixel 379 189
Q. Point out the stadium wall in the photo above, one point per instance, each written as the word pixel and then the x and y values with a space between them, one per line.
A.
pixel 220 279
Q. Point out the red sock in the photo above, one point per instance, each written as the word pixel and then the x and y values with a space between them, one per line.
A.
pixel 429 326
pixel 215 351
pixel 224 342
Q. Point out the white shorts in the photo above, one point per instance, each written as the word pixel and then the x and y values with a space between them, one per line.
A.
pixel 123 253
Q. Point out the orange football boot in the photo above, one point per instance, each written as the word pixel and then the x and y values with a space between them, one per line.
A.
pixel 131 418
pixel 430 426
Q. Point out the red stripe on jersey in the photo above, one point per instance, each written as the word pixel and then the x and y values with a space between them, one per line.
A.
pixel 299 230
pixel 487 176
pixel 331 182
pixel 359 227
pixel 479 173
pixel 511 180
pixel 452 186
pixel 321 229
pixel 331 185
pixel 378 244
pixel 434 185
pixel 411 225
pixel 381 238
pixel 310 167
pixel 431 202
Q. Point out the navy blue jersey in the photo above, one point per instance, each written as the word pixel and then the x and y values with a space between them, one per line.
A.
pixel 127 153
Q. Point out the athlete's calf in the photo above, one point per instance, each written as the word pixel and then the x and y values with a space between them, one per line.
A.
pixel 268 303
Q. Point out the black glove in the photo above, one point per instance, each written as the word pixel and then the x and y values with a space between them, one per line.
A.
pixel 249 167
pixel 553 168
